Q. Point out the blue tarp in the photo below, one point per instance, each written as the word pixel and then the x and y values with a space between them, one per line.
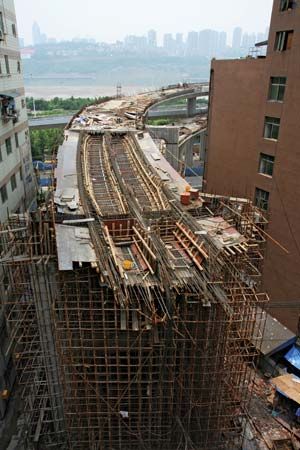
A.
pixel 44 182
pixel 40 165
pixel 293 356
pixel 194 171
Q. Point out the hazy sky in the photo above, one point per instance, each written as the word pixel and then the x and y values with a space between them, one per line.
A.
pixel 109 20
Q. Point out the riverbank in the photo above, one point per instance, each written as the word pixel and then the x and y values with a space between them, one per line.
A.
pixel 65 91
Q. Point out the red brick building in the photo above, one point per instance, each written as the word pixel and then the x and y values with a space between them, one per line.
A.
pixel 254 147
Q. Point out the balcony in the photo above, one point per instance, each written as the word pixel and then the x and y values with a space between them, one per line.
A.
pixel 8 107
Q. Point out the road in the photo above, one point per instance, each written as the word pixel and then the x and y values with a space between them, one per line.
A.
pixel 49 122
pixel 62 121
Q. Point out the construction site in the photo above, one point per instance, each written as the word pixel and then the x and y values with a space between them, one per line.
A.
pixel 132 300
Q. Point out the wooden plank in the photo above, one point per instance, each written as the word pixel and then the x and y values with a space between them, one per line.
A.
pixel 145 243
pixel 143 256
pixel 192 240
pixel 185 246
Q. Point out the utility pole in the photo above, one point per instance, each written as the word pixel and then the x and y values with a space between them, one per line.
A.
pixel 119 91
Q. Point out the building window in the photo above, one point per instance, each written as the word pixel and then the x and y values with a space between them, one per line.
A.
pixel 262 199
pixel 3 194
pixel 266 164
pixel 8 145
pixel 1 155
pixel 277 88
pixel 17 139
pixel 21 174
pixel 272 125
pixel 18 66
pixel 1 22
pixel 14 30
pixel 13 182
pixel 283 40
pixel 7 64
pixel 286 4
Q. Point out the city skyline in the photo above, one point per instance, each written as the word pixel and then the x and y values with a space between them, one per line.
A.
pixel 191 41
pixel 172 18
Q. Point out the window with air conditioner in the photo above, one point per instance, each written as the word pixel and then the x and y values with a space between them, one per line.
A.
pixel 283 41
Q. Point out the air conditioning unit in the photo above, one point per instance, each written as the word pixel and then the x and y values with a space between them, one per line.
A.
pixel 1 35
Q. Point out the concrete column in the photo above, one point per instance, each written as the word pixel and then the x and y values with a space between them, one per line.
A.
pixel 188 148
pixel 191 107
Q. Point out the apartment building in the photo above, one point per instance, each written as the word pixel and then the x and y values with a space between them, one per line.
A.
pixel 17 188
pixel 254 150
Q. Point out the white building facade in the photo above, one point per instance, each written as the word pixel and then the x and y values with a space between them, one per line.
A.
pixel 17 181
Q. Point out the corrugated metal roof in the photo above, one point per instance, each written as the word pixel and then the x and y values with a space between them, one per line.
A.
pixel 73 245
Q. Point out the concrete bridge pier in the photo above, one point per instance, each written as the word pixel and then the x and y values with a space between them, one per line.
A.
pixel 187 148
pixel 192 107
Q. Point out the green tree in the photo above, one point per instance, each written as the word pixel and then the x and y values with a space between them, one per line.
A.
pixel 42 140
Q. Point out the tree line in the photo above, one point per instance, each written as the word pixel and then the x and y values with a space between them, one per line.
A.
pixel 56 103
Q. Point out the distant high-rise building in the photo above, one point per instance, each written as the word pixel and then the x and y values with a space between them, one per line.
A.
pixel 152 38
pixel 202 42
pixel 168 42
pixel 192 43
pixel 36 34
pixel 136 43
pixel 179 43
pixel 237 38
pixel 179 38
pixel 21 42
pixel 208 43
pixel 222 42
pixel 213 43
pixel 245 41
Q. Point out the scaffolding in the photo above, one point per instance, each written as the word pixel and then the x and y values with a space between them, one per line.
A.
pixel 155 355
pixel 28 283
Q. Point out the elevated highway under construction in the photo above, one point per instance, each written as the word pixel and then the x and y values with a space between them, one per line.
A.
pixel 133 301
